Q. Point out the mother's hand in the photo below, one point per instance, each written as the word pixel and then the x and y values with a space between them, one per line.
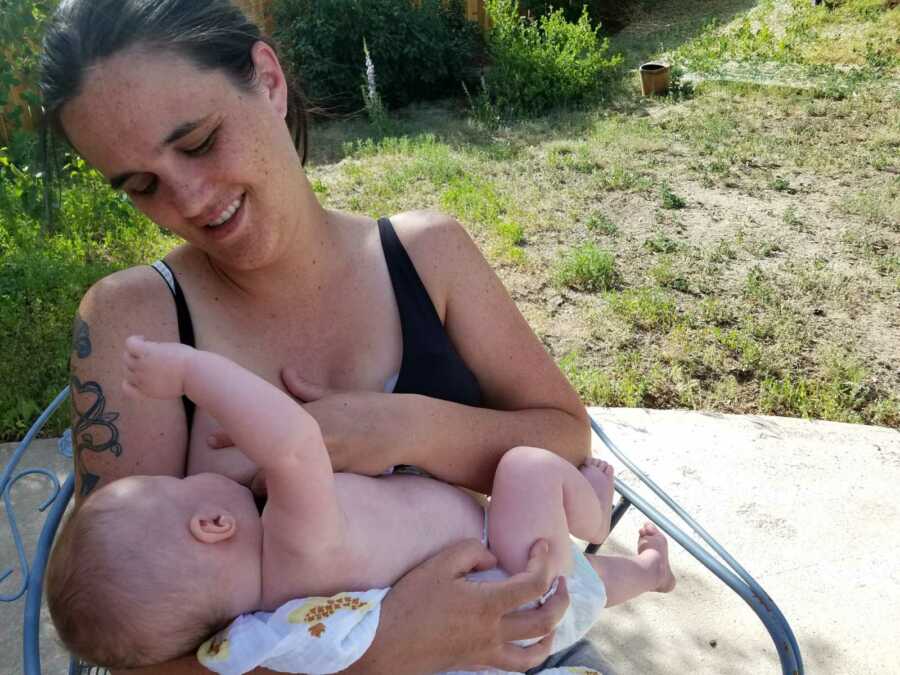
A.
pixel 437 620
pixel 346 419
pixel 343 417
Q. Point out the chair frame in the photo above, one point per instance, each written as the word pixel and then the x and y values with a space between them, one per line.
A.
pixel 731 572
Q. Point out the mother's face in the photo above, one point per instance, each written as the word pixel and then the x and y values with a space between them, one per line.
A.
pixel 202 157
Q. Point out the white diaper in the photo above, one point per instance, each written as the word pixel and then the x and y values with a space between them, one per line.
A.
pixel 311 635
pixel 587 599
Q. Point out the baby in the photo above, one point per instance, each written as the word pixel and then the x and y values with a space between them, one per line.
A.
pixel 150 566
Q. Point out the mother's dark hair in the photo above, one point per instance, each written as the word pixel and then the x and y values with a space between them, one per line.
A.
pixel 212 34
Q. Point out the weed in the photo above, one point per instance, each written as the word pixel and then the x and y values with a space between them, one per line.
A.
pixel 598 222
pixel 482 110
pixel 878 207
pixel 780 184
pixel 669 200
pixel 660 243
pixel 617 177
pixel 723 251
pixel 649 309
pixel 792 220
pixel 765 248
pixel 665 275
pixel 758 287
pixel 587 268
pixel 378 115
pixel 571 158
pixel 715 312
pixel 319 187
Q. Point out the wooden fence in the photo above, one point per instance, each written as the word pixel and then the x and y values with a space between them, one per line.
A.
pixel 261 11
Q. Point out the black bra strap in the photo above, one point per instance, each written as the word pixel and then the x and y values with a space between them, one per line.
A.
pixel 185 325
pixel 420 320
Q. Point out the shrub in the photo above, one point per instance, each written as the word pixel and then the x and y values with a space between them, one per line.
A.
pixel 537 64
pixel 21 27
pixel 44 274
pixel 420 52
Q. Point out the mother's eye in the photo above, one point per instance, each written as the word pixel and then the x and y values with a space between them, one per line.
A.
pixel 142 187
pixel 204 146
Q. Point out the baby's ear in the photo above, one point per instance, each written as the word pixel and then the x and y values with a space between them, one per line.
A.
pixel 211 526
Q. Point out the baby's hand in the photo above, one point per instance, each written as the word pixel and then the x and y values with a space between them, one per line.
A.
pixel 154 369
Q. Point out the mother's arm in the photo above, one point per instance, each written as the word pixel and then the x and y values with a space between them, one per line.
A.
pixel 527 399
pixel 113 435
pixel 461 624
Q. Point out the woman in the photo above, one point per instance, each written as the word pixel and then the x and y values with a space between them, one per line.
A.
pixel 184 107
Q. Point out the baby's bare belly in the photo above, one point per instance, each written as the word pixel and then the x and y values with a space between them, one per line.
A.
pixel 397 522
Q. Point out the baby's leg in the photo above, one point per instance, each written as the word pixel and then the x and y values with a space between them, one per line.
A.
pixel 626 577
pixel 539 495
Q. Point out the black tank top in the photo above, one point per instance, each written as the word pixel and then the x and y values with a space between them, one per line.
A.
pixel 430 365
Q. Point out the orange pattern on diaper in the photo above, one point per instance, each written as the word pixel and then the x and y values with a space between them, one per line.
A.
pixel 214 649
pixel 317 610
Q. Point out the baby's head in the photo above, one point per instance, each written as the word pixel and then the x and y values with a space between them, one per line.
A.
pixel 149 566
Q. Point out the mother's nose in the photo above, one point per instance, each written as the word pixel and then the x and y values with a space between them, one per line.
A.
pixel 190 196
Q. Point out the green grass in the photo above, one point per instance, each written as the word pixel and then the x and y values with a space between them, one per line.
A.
pixel 856 32
pixel 646 309
pixel 844 392
pixel 587 268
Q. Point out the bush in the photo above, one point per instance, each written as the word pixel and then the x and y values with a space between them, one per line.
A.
pixel 44 274
pixel 21 27
pixel 419 53
pixel 537 64
pixel 610 12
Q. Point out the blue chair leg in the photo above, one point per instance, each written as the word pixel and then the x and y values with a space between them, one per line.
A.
pixel 736 578
pixel 31 656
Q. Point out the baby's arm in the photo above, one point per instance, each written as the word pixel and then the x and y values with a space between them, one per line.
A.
pixel 270 427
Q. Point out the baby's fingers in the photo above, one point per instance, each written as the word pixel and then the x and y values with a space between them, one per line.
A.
pixel 219 440
pixel 534 623
pixel 531 584
pixel 135 346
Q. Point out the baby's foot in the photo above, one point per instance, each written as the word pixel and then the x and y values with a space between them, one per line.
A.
pixel 653 545
pixel 600 475
pixel 154 369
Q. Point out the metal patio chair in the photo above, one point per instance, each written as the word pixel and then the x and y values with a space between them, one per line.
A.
pixel 725 567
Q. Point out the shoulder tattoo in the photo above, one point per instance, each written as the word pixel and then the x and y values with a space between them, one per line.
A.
pixel 81 338
pixel 93 429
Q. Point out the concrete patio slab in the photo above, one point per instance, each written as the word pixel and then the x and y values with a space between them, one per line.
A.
pixel 809 508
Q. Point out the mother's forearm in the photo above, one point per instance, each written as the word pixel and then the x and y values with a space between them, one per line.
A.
pixel 461 444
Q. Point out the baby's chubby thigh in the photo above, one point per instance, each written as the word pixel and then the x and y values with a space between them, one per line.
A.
pixel 526 505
